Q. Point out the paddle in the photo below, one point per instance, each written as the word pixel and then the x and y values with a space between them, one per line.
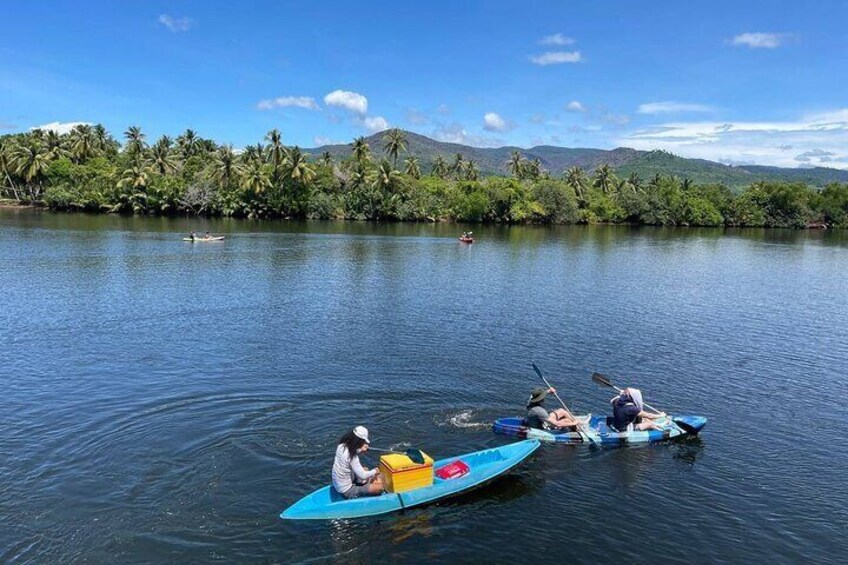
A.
pixel 603 381
pixel 415 455
pixel 584 435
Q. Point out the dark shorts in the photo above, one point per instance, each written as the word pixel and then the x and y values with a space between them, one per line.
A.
pixel 356 491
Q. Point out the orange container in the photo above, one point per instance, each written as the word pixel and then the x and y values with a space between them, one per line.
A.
pixel 401 474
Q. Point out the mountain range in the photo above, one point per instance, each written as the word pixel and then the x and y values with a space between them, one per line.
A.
pixel 492 161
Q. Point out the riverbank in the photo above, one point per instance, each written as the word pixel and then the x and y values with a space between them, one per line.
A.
pixel 87 170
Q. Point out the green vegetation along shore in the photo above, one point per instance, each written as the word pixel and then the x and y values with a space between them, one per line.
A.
pixel 88 170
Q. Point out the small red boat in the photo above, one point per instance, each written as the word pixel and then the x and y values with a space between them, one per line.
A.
pixel 466 239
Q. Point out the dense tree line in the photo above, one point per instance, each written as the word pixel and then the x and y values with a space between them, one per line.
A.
pixel 88 170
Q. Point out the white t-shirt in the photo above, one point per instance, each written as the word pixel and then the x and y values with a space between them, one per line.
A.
pixel 348 470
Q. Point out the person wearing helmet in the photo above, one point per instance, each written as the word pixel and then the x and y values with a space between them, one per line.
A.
pixel 628 412
pixel 537 417
pixel 350 478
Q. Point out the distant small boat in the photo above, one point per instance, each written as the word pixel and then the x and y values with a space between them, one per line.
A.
pixel 327 504
pixel 466 239
pixel 199 239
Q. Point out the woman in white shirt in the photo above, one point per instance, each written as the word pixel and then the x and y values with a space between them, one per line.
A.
pixel 350 478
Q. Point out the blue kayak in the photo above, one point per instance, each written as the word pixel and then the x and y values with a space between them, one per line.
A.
pixel 602 432
pixel 326 503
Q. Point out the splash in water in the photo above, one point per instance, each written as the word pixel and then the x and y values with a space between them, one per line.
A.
pixel 463 420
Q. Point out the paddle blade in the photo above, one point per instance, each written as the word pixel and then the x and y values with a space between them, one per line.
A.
pixel 415 456
pixel 538 372
pixel 602 380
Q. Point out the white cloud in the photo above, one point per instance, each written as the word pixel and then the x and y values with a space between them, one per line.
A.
pixel 456 133
pixel 815 139
pixel 413 116
pixel 306 102
pixel 443 109
pixel 375 124
pixel 615 119
pixel 60 127
pixel 493 122
pixel 320 140
pixel 352 101
pixel 669 107
pixel 760 40
pixel 557 58
pixel 575 106
pixel 176 24
pixel 556 39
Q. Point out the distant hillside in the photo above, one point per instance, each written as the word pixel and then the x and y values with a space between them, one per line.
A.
pixel 492 161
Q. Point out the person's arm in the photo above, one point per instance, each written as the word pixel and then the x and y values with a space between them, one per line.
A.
pixel 361 473
pixel 652 415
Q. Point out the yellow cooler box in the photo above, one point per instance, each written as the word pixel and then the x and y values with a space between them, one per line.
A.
pixel 401 474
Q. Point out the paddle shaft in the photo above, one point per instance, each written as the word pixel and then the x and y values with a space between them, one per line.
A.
pixel 580 426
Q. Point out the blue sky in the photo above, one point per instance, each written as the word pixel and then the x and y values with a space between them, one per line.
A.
pixel 734 81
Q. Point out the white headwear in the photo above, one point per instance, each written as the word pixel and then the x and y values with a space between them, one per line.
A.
pixel 362 433
pixel 636 396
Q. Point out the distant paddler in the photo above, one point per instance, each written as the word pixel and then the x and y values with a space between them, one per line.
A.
pixel 539 418
pixel 192 236
pixel 350 478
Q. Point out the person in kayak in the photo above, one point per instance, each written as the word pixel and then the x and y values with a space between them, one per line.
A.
pixel 628 412
pixel 192 235
pixel 208 235
pixel 350 478
pixel 537 417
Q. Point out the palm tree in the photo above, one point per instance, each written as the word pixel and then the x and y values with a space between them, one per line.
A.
pixel 533 169
pixel 276 151
pixel 135 142
pixel 30 162
pixel 440 167
pixel 188 143
pixel 137 176
pixel 160 156
pixel 515 164
pixel 686 185
pixel 361 151
pixel 458 164
pixel 575 177
pixel 253 153
pixel 327 159
pixel 296 167
pixel 224 167
pixel 635 182
pixel 6 166
pixel 604 179
pixel 83 143
pixel 254 177
pixel 395 142
pixel 53 145
pixel 386 177
pixel 412 167
pixel 471 170
pixel 100 137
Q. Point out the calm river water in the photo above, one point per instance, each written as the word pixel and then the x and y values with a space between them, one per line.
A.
pixel 164 401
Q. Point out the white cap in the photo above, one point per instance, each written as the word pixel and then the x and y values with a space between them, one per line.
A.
pixel 362 433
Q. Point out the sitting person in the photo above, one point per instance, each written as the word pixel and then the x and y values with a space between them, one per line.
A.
pixel 537 417
pixel 350 478
pixel 628 412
